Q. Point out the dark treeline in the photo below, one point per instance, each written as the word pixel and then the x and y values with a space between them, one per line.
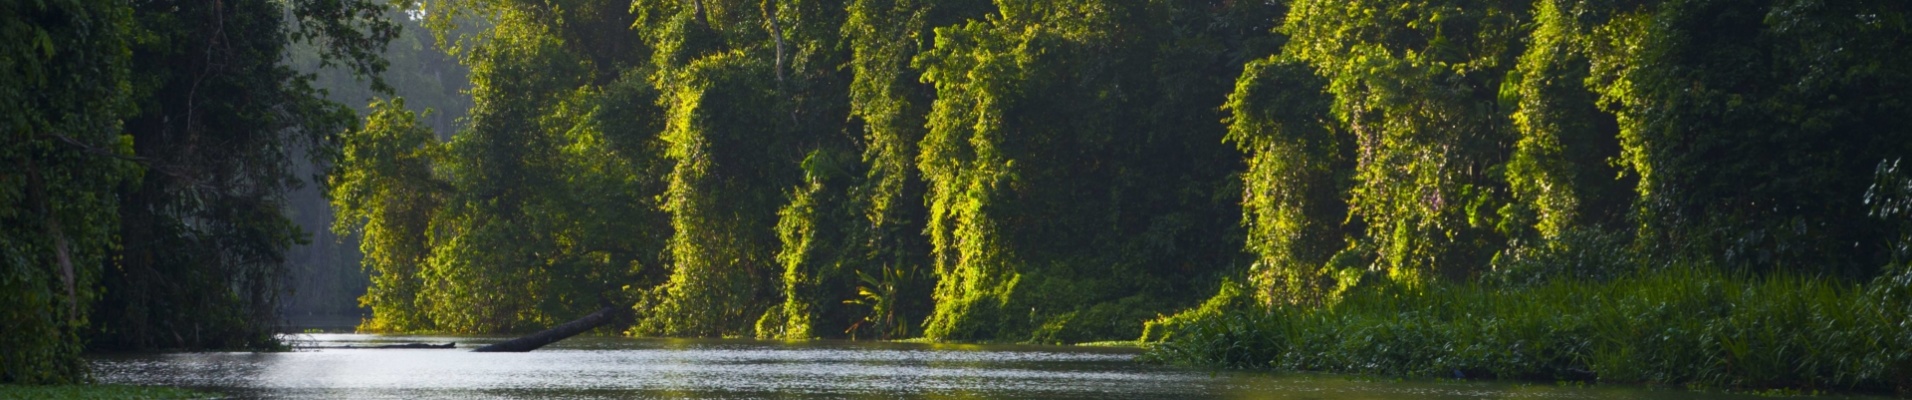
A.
pixel 148 149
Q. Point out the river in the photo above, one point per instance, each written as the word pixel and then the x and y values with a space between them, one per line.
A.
pixel 624 368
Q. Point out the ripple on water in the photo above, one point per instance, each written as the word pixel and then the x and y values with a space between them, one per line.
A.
pixel 602 368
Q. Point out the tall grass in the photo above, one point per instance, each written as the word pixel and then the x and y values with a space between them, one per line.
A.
pixel 1680 326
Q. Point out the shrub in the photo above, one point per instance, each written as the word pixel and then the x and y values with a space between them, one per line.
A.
pixel 1680 326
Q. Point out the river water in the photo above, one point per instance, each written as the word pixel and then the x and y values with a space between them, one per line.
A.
pixel 624 368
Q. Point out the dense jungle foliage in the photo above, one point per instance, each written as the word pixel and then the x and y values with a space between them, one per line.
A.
pixel 325 273
pixel 1007 170
pixel 148 149
pixel 1686 192
pixel 1048 172
pixel 1061 171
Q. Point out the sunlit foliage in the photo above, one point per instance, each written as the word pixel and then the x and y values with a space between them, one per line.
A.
pixel 1063 171
pixel 1630 152
pixel 1415 83
pixel 1076 175
pixel 540 208
pixel 386 193
pixel 1292 191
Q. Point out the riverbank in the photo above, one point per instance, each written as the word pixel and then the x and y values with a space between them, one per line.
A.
pixel 91 392
pixel 1681 327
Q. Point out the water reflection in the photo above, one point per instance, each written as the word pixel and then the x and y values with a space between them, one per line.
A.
pixel 614 368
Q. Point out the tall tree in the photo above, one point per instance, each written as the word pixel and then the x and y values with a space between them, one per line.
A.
pixel 751 88
pixel 855 238
pixel 63 86
pixel 542 207
pixel 386 192
pixel 1073 157
pixel 1754 127
pixel 1292 193
pixel 1416 83
pixel 147 210
pixel 219 126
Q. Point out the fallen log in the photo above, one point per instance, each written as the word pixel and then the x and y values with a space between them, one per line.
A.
pixel 389 346
pixel 414 346
pixel 562 331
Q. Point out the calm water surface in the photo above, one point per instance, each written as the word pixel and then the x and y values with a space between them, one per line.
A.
pixel 621 368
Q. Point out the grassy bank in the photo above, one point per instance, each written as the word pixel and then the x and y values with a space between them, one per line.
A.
pixel 1678 327
pixel 92 392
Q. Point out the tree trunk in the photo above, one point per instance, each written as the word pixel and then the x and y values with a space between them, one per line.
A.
pixel 36 194
pixel 556 333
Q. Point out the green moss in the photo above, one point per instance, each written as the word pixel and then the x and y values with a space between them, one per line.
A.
pixel 59 392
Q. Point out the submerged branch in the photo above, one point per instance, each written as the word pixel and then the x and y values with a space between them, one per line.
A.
pixel 556 333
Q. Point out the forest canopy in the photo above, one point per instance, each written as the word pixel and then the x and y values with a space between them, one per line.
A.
pixel 959 170
pixel 1047 171
pixel 953 170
